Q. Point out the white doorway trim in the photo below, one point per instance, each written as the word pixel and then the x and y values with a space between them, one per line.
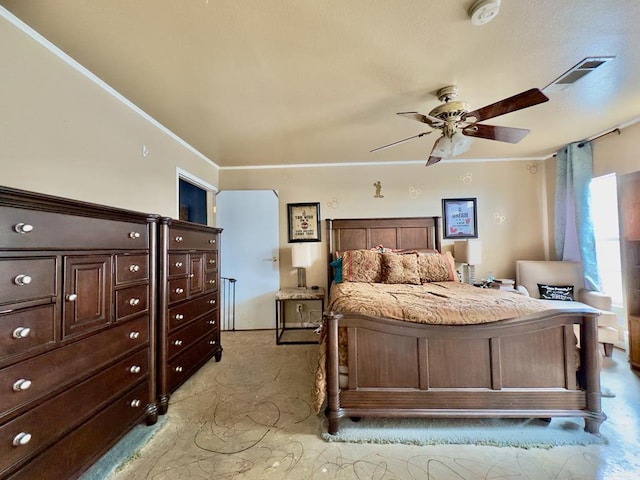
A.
pixel 198 182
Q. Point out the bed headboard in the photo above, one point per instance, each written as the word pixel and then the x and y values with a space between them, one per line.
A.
pixel 396 233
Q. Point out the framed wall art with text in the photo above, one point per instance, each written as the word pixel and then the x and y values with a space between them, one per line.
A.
pixel 303 222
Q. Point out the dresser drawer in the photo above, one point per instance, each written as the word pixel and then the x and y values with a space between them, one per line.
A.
pixel 131 301
pixel 177 264
pixel 131 268
pixel 183 366
pixel 52 371
pixel 211 261
pixel 211 282
pixel 47 230
pixel 67 457
pixel 26 331
pixel 177 290
pixel 185 312
pixel 44 423
pixel 186 337
pixel 27 278
pixel 191 240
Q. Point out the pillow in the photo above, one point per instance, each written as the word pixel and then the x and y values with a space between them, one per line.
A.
pixel 361 266
pixel 400 268
pixel 556 292
pixel 436 267
pixel 337 270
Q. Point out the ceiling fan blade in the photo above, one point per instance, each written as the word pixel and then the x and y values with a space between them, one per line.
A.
pixel 492 132
pixel 517 102
pixel 400 141
pixel 432 158
pixel 429 120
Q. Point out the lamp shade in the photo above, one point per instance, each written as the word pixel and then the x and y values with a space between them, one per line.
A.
pixel 301 255
pixel 468 251
pixel 446 147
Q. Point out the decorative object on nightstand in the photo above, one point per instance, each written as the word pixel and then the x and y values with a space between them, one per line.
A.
pixel 301 259
pixel 469 253
pixel 305 331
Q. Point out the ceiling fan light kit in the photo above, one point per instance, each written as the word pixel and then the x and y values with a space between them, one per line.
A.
pixel 483 11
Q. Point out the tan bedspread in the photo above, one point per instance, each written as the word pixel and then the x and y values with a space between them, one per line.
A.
pixel 441 303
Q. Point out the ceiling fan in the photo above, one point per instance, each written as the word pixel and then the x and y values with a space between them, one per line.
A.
pixel 457 122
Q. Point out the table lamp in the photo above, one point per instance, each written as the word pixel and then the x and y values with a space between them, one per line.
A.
pixel 301 259
pixel 469 253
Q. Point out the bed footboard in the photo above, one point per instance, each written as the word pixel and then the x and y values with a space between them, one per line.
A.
pixel 524 367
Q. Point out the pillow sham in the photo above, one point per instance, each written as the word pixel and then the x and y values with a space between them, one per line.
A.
pixel 400 268
pixel 556 292
pixel 436 267
pixel 361 266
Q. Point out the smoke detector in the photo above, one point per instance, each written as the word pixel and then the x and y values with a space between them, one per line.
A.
pixel 483 11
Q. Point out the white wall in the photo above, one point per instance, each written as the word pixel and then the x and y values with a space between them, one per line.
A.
pixel 62 133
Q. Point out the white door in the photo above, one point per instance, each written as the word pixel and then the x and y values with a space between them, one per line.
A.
pixel 249 254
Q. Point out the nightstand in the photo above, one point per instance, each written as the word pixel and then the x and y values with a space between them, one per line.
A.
pixel 298 334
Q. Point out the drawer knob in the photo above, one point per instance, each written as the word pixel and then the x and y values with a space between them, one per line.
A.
pixel 134 268
pixel 211 322
pixel 212 302
pixel 134 335
pixel 21 332
pixel 212 342
pixel 134 301
pixel 21 439
pixel 72 297
pixel 178 239
pixel 177 343
pixel 212 240
pixel 179 290
pixel 179 316
pixel 134 369
pixel 23 227
pixel 22 279
pixel 212 282
pixel 135 403
pixel 134 234
pixel 192 275
pixel 178 369
pixel 21 385
pixel 178 264
pixel 212 261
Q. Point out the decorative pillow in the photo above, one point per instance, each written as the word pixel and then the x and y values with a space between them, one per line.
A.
pixel 337 270
pixel 436 267
pixel 556 292
pixel 361 266
pixel 400 268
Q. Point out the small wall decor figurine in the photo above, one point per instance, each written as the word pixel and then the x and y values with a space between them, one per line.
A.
pixel 378 186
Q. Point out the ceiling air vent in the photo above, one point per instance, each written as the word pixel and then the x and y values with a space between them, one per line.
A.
pixel 575 73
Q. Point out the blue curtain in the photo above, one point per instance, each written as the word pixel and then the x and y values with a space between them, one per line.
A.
pixel 574 234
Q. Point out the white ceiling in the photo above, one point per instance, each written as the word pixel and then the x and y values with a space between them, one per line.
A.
pixel 272 82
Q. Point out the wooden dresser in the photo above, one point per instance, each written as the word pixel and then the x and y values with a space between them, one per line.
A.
pixel 188 313
pixel 77 331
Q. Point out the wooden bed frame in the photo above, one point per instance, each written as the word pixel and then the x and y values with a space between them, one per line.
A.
pixel 523 367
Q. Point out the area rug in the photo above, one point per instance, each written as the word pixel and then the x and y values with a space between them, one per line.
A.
pixel 504 432
pixel 123 451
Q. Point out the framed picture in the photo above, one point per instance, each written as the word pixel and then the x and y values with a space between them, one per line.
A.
pixel 460 217
pixel 304 222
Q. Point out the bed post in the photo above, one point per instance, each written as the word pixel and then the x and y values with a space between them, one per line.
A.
pixel 590 359
pixel 333 380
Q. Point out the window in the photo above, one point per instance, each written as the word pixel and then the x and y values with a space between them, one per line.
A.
pixel 604 210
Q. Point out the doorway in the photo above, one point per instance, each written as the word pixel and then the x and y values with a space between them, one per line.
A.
pixel 249 253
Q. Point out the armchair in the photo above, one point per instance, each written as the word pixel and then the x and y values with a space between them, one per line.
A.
pixel 530 273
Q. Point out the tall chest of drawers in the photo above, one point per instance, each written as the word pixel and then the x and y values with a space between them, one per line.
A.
pixel 188 312
pixel 77 331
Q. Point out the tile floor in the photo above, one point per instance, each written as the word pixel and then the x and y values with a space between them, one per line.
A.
pixel 249 417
